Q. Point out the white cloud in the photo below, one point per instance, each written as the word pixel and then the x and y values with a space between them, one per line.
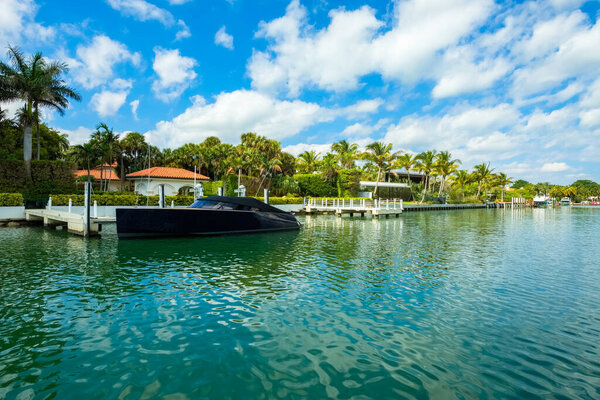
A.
pixel 362 107
pixel 222 38
pixel 143 11
pixel 134 107
pixel 178 2
pixel 77 136
pixel 175 73
pixel 17 23
pixel 233 113
pixel 555 167
pixel 352 45
pixel 296 149
pixel 184 31
pixel 107 103
pixel 95 62
pixel 464 131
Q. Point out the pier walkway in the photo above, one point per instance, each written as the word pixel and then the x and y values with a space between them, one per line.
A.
pixel 75 223
pixel 353 207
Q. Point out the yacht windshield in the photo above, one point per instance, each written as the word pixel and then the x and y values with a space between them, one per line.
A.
pixel 218 205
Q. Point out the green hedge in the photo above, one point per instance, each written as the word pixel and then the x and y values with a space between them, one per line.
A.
pixel 109 199
pixel 314 185
pixel 47 177
pixel 11 199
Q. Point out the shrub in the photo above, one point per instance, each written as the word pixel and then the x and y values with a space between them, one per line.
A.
pixel 47 177
pixel 283 200
pixel 349 181
pixel 314 185
pixel 11 199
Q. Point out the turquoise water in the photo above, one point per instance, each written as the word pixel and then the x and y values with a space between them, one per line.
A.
pixel 460 304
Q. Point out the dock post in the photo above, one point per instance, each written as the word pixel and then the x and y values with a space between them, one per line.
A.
pixel 343 203
pixel 401 205
pixel 49 205
pixel 86 209
pixel 387 204
pixel 172 204
pixel 266 193
pixel 70 204
pixel 95 209
pixel 220 191
pixel 161 195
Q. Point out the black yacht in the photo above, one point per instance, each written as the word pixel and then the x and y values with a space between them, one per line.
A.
pixel 212 215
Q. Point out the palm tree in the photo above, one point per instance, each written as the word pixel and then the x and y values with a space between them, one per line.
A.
pixel 462 178
pixel 330 170
pixel 503 181
pixel 407 161
pixel 444 166
pixel 36 83
pixel 425 164
pixel 482 174
pixel 108 141
pixel 267 165
pixel 308 161
pixel 86 154
pixel 347 152
pixel 380 154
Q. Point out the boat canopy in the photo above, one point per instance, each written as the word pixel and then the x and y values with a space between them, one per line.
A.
pixel 234 203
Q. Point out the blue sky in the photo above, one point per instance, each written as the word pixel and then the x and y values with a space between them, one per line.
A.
pixel 514 83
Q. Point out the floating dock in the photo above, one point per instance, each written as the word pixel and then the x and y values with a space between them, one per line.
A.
pixel 352 207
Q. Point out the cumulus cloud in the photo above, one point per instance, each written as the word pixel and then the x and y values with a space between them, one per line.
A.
pixel 222 38
pixel 233 113
pixel 107 103
pixel 175 73
pixel 354 44
pixel 184 31
pixel 298 148
pixel 17 23
pixel 95 62
pixel 76 136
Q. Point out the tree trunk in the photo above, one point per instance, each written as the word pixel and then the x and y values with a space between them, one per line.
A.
pixel 122 174
pixel 37 124
pixel 478 189
pixel 27 144
pixel 441 186
pixel 412 197
pixel 377 182
pixel 503 195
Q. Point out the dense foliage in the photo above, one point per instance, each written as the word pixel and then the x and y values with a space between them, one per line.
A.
pixel 11 199
pixel 47 177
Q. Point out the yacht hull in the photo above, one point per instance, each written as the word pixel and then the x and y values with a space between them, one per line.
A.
pixel 165 222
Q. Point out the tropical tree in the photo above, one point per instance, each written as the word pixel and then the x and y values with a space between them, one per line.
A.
pixel 108 142
pixel 38 84
pixel 347 153
pixel 380 154
pixel 86 154
pixel 426 164
pixel 444 166
pixel 308 161
pixel 482 174
pixel 462 178
pixel 330 170
pixel 407 161
pixel 503 181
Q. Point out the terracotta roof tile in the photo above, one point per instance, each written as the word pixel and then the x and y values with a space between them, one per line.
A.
pixel 106 174
pixel 165 172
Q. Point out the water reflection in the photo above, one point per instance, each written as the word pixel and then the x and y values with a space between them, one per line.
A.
pixel 466 304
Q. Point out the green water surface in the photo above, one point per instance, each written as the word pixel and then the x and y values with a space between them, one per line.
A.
pixel 442 305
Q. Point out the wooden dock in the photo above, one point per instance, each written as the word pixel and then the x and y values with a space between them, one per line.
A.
pixel 351 207
pixel 75 223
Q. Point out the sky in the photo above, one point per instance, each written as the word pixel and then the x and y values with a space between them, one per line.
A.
pixel 515 83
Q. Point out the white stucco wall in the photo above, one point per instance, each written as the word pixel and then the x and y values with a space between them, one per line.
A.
pixel 12 213
pixel 172 186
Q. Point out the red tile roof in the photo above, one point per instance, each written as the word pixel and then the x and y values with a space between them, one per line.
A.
pixel 164 172
pixel 106 174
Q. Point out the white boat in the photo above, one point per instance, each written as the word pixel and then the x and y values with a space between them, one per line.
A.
pixel 541 200
pixel 565 201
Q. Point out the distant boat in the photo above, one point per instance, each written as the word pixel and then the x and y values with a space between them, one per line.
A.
pixel 565 201
pixel 212 215
pixel 541 200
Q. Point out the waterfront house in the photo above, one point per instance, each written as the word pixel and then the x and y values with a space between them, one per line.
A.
pixel 176 180
pixel 106 172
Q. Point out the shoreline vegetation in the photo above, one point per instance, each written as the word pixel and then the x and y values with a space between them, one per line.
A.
pixel 431 176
